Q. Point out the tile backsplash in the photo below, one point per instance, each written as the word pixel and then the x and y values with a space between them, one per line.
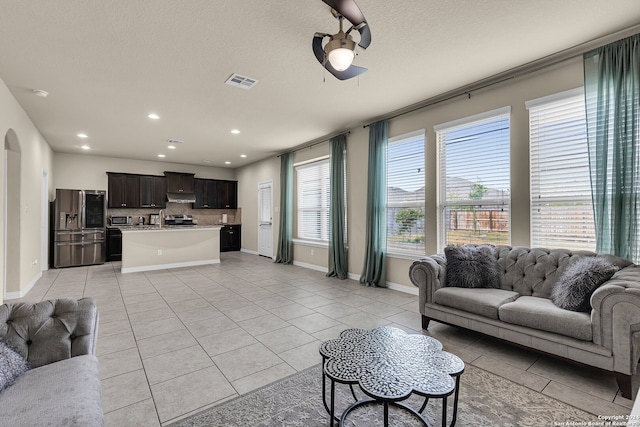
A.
pixel 203 216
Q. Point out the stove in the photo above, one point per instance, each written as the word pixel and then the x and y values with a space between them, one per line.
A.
pixel 185 220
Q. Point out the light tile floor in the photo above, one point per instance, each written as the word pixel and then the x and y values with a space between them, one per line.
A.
pixel 174 342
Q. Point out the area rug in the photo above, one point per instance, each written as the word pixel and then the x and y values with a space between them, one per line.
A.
pixel 485 400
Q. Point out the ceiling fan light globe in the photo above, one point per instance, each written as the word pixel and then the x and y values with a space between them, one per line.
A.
pixel 341 58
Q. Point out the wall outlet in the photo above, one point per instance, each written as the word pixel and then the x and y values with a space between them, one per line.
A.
pixel 34 261
pixel 159 251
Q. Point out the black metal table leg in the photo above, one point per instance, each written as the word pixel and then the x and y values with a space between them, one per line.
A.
pixel 333 401
pixel 385 404
pixel 444 411
pixel 455 402
pixel 386 414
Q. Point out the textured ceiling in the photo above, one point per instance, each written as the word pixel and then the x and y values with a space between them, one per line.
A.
pixel 107 64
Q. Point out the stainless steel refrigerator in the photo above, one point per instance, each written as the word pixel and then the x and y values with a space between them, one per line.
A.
pixel 79 227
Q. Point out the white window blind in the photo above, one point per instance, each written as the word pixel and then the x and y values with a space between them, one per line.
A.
pixel 474 172
pixel 313 200
pixel 561 205
pixel 405 194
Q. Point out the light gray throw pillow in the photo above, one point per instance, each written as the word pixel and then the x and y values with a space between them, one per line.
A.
pixel 12 365
pixel 472 266
pixel 575 286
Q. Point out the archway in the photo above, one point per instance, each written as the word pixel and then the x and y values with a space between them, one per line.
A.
pixel 11 209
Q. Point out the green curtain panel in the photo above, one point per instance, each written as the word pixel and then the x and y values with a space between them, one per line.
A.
pixel 612 96
pixel 337 228
pixel 374 270
pixel 285 236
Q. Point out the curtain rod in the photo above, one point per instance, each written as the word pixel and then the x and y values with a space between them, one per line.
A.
pixel 513 73
pixel 315 142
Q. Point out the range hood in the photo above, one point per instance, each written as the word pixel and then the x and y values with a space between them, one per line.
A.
pixel 181 197
pixel 180 187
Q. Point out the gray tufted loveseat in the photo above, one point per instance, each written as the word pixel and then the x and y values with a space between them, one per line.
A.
pixel 521 312
pixel 58 339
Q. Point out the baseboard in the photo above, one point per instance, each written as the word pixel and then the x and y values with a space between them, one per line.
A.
pixel 391 285
pixel 23 292
pixel 402 288
pixel 172 265
pixel 311 266
pixel 249 251
pixel 394 286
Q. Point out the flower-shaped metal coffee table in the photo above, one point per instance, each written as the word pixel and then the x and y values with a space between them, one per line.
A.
pixel 390 365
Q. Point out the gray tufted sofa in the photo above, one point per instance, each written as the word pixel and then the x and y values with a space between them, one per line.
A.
pixel 521 312
pixel 58 339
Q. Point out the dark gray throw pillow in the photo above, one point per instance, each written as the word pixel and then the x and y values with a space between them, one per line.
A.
pixel 575 286
pixel 12 365
pixel 472 266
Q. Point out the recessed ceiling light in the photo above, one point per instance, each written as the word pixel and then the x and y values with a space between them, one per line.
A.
pixel 235 131
pixel 153 116
pixel 83 135
pixel 227 163
pixel 171 147
pixel 161 155
pixel 85 147
pixel 41 93
pixel 243 155
pixel 206 161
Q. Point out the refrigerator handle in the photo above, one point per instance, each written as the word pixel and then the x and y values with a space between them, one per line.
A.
pixel 83 213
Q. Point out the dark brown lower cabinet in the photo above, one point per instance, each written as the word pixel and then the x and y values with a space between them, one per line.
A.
pixel 230 238
pixel 114 244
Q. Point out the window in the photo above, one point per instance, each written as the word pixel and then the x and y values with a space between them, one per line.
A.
pixel 474 179
pixel 405 194
pixel 561 206
pixel 313 200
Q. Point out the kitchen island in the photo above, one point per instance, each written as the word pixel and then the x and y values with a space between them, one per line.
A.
pixel 156 248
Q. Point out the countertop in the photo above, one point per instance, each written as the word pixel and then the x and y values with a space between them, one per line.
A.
pixel 136 228
pixel 171 227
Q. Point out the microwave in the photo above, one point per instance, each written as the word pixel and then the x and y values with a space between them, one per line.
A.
pixel 120 220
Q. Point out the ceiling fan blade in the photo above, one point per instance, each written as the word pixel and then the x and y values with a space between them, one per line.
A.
pixel 318 50
pixel 350 10
pixel 365 36
pixel 346 74
pixel 347 8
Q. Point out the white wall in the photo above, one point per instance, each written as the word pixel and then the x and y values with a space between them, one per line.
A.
pixel 81 170
pixel 87 172
pixel 248 178
pixel 567 75
pixel 35 157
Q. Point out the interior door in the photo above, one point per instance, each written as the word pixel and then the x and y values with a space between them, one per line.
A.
pixel 265 219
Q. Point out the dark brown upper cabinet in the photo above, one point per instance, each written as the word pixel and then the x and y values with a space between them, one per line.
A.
pixel 216 194
pixel 124 190
pixel 179 182
pixel 153 191
pixel 205 193
pixel 226 195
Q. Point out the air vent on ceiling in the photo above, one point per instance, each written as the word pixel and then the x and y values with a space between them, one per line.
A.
pixel 174 141
pixel 242 82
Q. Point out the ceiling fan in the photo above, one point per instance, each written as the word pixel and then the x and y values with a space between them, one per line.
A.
pixel 338 53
